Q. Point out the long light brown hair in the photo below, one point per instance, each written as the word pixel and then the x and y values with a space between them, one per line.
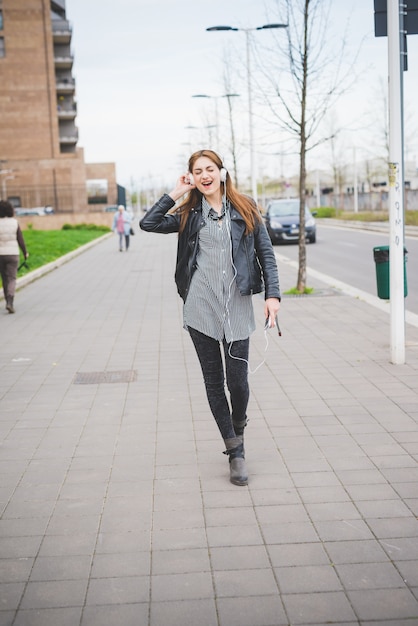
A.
pixel 245 206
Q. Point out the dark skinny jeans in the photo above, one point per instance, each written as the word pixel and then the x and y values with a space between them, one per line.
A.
pixel 209 354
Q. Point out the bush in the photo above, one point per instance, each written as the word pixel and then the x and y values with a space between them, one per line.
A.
pixel 325 211
pixel 94 227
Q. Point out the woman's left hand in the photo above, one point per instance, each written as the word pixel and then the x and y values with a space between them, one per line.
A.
pixel 271 308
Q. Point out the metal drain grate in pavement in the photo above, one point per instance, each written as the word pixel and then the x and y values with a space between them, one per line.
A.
pixel 96 378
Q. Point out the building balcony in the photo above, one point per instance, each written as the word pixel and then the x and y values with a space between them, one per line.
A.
pixel 64 63
pixel 67 114
pixel 61 31
pixel 67 138
pixel 65 85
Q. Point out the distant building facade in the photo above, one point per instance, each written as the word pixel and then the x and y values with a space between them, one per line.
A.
pixel 40 161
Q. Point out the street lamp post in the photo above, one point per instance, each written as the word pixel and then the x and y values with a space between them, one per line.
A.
pixel 249 88
pixel 208 128
pixel 216 98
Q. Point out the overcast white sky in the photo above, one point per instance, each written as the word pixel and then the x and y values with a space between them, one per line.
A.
pixel 138 63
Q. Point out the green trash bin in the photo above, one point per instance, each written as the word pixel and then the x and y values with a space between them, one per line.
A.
pixel 381 259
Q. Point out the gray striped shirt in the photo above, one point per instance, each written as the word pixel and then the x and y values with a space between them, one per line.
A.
pixel 214 305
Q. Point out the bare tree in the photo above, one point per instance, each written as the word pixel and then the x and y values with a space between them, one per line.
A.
pixel 317 76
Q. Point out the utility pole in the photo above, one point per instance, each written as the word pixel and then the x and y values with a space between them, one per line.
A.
pixel 396 19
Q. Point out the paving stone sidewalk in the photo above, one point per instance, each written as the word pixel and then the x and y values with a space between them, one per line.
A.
pixel 116 508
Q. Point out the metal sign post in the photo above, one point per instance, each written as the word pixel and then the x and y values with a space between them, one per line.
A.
pixel 396 186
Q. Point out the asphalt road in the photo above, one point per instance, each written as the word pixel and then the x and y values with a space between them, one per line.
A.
pixel 347 255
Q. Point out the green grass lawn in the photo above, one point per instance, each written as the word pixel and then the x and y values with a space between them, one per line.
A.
pixel 411 217
pixel 45 246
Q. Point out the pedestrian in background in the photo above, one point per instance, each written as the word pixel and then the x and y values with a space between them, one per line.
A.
pixel 11 239
pixel 122 226
pixel 224 256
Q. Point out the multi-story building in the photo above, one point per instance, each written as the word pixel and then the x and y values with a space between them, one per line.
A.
pixel 40 161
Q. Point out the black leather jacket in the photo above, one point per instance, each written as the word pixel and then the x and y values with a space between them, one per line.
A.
pixel 253 254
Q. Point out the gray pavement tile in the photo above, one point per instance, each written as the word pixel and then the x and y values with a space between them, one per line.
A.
pixel 374 604
pixel 242 516
pixel 404 459
pixel 383 508
pixel 48 617
pixel 118 590
pixel 113 521
pixel 72 525
pixel 409 572
pixel 78 507
pixel 189 586
pixel 19 547
pixel 26 527
pixel 179 538
pixel 292 555
pixel 123 564
pixel 11 594
pixel 413 506
pixel 122 542
pixel 308 465
pixel 132 614
pixel 323 494
pixel 365 551
pixel 406 490
pixel 251 611
pixel 51 593
pixel 15 570
pixel 323 511
pixel 382 491
pixel 60 568
pixel 321 608
pixel 180 561
pixel 244 583
pixel 140 504
pixel 394 527
pixel 177 501
pixel 369 576
pixel 342 530
pixel 7 618
pixel 177 485
pixel 360 476
pixel 234 536
pixel 401 549
pixel 68 545
pixel 187 518
pixel 233 558
pixel 280 514
pixel 307 579
pixel 291 532
pixel 269 497
pixel 389 622
pixel 315 479
pixel 351 463
pixel 75 491
pixel 202 612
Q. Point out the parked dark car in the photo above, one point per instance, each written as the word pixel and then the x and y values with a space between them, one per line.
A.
pixel 282 221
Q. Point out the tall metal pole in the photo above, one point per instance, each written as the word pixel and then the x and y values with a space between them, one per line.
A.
pixel 396 187
pixel 250 117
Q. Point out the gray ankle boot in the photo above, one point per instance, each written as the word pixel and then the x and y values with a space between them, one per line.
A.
pixel 9 305
pixel 237 467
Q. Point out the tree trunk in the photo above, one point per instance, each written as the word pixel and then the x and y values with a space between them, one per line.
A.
pixel 301 283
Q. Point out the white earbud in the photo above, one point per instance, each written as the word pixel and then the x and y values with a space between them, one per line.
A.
pixel 224 172
pixel 191 179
